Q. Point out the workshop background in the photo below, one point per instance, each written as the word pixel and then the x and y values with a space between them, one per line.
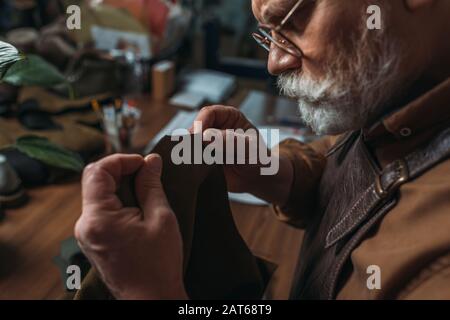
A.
pixel 135 70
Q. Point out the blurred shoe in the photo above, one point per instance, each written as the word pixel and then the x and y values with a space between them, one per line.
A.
pixel 33 118
pixel 55 104
pixel 12 193
pixel 30 171
pixel 55 44
pixel 82 139
pixel 24 39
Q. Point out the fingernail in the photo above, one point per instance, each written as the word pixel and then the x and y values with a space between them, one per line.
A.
pixel 155 161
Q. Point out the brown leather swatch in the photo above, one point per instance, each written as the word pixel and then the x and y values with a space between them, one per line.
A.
pixel 217 262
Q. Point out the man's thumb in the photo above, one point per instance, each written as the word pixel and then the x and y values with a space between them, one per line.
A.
pixel 149 190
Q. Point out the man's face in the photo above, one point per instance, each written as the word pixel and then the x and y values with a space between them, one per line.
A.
pixel 348 73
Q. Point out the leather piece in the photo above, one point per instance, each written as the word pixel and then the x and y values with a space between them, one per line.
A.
pixel 336 277
pixel 198 196
pixel 54 104
pixel 217 262
pixel 356 215
pixel 436 151
pixel 347 176
pixel 31 171
pixel 32 118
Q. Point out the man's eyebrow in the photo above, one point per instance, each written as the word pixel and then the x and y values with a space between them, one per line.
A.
pixel 273 13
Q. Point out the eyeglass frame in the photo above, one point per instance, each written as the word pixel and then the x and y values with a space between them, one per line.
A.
pixel 264 39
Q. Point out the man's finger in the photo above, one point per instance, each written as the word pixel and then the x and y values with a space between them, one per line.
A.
pixel 101 179
pixel 149 190
pixel 221 117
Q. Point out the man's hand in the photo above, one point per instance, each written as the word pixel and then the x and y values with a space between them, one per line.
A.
pixel 137 251
pixel 246 178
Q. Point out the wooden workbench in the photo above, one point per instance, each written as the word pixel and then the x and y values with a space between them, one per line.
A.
pixel 30 236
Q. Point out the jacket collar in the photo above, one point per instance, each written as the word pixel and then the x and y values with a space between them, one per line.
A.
pixel 430 110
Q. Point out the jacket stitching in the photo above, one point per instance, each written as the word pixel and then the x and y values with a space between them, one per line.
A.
pixel 330 234
pixel 351 247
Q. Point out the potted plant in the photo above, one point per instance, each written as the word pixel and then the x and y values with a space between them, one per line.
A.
pixel 31 70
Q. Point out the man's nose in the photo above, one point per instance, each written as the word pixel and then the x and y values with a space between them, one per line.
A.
pixel 281 61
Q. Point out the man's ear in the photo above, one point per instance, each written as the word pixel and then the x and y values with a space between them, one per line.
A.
pixel 414 5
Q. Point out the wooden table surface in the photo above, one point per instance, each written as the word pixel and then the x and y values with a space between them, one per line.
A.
pixel 30 236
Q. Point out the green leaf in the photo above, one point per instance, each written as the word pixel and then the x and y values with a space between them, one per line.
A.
pixel 49 153
pixel 8 56
pixel 33 71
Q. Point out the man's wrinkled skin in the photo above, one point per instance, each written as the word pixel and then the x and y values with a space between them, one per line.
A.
pixel 138 252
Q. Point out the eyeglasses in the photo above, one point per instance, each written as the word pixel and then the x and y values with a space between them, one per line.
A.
pixel 267 35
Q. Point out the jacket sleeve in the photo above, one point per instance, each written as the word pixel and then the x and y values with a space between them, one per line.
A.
pixel 308 162
pixel 432 283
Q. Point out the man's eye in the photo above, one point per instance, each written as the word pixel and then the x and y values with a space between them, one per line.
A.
pixel 291 25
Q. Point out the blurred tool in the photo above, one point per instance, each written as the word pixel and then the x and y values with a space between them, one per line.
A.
pixel 119 121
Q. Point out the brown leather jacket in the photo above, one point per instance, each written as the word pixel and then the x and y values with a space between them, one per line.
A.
pixel 411 243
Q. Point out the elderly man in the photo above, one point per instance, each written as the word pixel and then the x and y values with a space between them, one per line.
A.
pixel 372 195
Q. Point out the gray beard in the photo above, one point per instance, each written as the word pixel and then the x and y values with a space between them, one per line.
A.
pixel 353 92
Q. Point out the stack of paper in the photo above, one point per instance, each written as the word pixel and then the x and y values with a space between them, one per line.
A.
pixel 201 86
